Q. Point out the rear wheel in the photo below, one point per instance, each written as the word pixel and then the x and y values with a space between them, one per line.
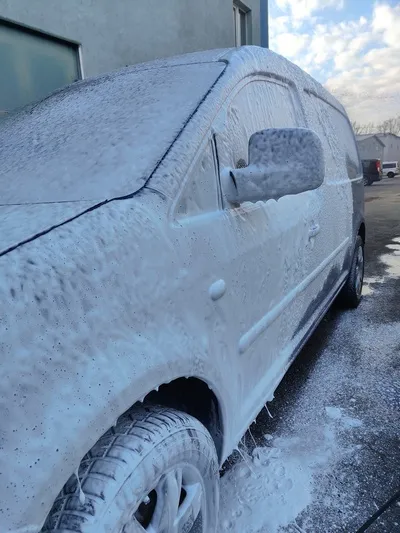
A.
pixel 390 175
pixel 367 181
pixel 351 294
pixel 155 472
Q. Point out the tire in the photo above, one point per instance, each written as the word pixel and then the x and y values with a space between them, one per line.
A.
pixel 367 182
pixel 151 452
pixel 351 294
pixel 390 175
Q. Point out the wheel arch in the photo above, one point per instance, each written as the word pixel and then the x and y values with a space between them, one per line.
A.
pixel 191 395
pixel 195 397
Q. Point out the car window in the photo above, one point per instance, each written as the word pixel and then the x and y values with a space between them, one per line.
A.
pixel 388 165
pixel 371 165
pixel 337 138
pixel 200 191
pixel 258 105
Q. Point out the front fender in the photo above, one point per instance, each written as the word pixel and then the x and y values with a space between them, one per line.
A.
pixel 83 405
pixel 89 326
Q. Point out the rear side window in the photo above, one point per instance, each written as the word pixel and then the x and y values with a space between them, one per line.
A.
pixel 337 137
pixel 370 165
pixel 388 165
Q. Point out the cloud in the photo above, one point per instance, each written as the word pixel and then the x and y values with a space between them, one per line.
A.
pixel 304 9
pixel 371 91
pixel 290 44
pixel 386 21
pixel 339 43
pixel 358 60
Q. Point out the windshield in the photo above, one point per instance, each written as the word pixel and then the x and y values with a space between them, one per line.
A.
pixel 99 139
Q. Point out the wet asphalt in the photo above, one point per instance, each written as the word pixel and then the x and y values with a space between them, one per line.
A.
pixel 345 384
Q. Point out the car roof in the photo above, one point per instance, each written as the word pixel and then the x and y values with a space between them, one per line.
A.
pixel 252 60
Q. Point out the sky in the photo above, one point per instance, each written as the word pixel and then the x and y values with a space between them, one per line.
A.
pixel 351 46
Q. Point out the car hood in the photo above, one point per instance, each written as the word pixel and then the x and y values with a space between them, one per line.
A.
pixel 101 138
pixel 22 223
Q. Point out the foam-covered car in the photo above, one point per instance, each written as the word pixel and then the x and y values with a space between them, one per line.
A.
pixel 171 234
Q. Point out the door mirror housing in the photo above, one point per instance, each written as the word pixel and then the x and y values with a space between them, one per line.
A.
pixel 281 162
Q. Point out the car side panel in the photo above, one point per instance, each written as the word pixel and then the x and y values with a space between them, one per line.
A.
pixel 85 336
pixel 335 241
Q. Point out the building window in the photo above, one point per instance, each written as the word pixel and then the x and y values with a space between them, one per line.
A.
pixel 241 24
pixel 33 64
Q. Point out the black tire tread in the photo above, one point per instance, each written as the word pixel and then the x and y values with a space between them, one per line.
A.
pixel 348 296
pixel 149 426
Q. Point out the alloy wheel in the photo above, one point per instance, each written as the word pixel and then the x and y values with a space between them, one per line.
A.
pixel 175 505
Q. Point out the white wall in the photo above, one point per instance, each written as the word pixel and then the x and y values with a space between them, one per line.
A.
pixel 370 148
pixel 392 147
pixel 118 33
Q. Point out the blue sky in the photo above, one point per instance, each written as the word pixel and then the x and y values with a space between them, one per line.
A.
pixel 351 46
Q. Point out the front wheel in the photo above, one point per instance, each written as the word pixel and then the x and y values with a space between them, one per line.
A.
pixel 390 175
pixel 156 471
pixel 351 294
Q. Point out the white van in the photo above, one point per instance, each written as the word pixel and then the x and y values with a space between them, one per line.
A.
pixel 171 236
pixel 390 168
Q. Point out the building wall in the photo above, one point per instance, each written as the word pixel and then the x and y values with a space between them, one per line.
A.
pixel 392 147
pixel 115 34
pixel 254 5
pixel 370 148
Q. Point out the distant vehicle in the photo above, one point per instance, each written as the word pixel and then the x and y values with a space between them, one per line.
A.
pixel 171 236
pixel 390 168
pixel 371 171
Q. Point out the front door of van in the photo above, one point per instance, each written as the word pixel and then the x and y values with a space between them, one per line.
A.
pixel 271 241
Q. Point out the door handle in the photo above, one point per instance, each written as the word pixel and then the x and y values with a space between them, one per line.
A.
pixel 313 231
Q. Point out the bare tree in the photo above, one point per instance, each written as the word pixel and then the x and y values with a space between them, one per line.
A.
pixel 370 128
pixel 360 129
pixel 388 126
pixel 391 125
pixel 357 128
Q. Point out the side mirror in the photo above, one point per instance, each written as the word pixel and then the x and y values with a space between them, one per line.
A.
pixel 281 162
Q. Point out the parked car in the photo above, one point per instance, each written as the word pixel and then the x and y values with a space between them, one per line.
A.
pixel 171 235
pixel 371 171
pixel 390 168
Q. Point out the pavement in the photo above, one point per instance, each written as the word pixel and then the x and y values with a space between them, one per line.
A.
pixel 324 456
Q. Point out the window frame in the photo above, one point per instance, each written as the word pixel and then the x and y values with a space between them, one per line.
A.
pixel 326 133
pixel 241 24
